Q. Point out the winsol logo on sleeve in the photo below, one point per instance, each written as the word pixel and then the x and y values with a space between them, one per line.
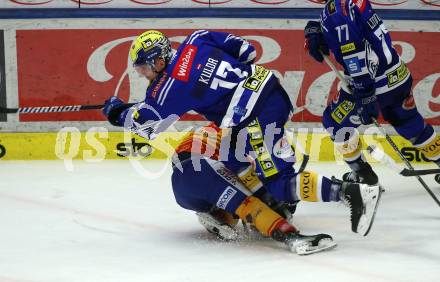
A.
pixel 183 67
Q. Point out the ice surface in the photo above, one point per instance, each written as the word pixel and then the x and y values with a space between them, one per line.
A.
pixel 104 222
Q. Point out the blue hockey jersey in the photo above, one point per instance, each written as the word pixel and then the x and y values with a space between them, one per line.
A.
pixel 360 42
pixel 211 73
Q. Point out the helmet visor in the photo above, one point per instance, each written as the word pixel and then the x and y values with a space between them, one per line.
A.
pixel 140 63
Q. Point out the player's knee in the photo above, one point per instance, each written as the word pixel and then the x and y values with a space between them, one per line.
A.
pixel 184 195
pixel 341 114
pixel 188 184
pixel 180 186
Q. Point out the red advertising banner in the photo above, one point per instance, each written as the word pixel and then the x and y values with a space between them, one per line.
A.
pixel 86 66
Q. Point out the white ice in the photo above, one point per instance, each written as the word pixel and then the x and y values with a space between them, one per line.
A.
pixel 105 222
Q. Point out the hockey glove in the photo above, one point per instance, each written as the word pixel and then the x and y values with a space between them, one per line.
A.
pixel 113 108
pixel 368 107
pixel 314 41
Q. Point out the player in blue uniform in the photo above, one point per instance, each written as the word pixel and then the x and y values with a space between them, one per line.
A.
pixel 212 73
pixel 379 81
pixel 214 188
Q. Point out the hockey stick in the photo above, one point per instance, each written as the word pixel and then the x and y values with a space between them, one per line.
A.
pixel 52 109
pixel 407 163
pixel 300 148
pixel 387 137
pixel 49 109
pixel 335 70
pixel 385 159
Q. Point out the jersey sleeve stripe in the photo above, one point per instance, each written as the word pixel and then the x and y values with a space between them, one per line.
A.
pixel 166 92
pixel 201 33
pixel 164 89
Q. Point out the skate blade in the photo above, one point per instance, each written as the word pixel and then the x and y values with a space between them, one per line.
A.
pixel 367 226
pixel 307 249
pixel 222 231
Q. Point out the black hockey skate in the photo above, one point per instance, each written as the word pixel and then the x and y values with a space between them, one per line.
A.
pixel 364 175
pixel 216 223
pixel 305 244
pixel 363 201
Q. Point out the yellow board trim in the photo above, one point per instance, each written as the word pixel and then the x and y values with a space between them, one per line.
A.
pixel 91 145
pixel 95 145
pixel 432 149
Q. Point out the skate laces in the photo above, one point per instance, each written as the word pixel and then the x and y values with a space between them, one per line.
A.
pixel 352 177
pixel 346 200
pixel 366 177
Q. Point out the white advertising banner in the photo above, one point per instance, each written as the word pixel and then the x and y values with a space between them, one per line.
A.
pixel 382 4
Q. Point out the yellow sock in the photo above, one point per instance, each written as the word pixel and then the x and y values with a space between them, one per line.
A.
pixel 253 210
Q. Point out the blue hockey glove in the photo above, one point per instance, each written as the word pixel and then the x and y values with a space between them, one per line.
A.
pixel 113 108
pixel 315 42
pixel 368 107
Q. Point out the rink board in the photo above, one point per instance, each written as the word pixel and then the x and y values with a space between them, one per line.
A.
pixel 95 146
pixel 85 61
pixel 206 4
pixel 95 66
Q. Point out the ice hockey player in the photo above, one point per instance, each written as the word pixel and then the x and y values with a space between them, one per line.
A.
pixel 212 73
pixel 220 198
pixel 378 81
pixel 217 195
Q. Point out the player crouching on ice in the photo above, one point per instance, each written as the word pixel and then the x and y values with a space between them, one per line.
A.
pixel 212 73
pixel 220 197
